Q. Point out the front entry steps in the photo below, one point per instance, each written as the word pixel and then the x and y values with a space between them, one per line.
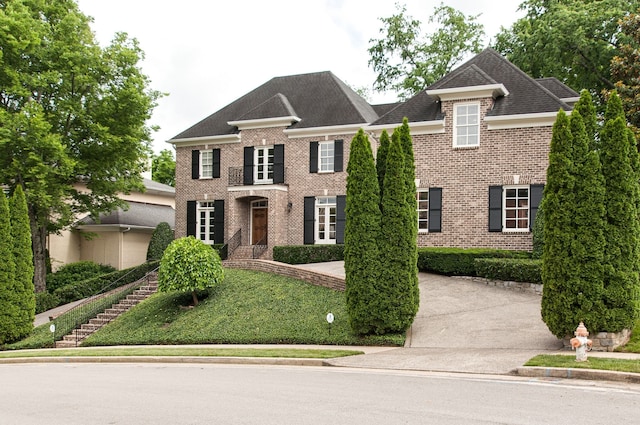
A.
pixel 78 335
pixel 246 252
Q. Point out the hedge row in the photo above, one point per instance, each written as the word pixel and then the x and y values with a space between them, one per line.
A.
pixel 512 269
pixel 459 261
pixel 305 254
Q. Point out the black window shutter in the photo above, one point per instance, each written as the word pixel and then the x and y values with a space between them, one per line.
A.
pixel 278 164
pixel 495 208
pixel 535 197
pixel 337 155
pixel 195 164
pixel 216 164
pixel 218 221
pixel 435 209
pixel 248 166
pixel 341 218
pixel 313 157
pixel 191 218
pixel 309 219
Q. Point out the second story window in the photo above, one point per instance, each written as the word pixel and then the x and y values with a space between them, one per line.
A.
pixel 325 156
pixel 206 164
pixel 466 128
pixel 263 164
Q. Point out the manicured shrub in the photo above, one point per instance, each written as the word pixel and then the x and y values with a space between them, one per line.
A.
pixel 46 301
pixel 305 254
pixel 9 306
pixel 73 273
pixel 160 239
pixel 459 261
pixel 509 269
pixel 189 265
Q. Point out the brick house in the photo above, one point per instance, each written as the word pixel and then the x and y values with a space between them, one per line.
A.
pixel 270 168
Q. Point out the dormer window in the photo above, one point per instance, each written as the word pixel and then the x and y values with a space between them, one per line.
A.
pixel 466 129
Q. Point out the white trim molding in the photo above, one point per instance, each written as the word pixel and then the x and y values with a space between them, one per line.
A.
pixel 473 92
pixel 264 122
pixel 328 131
pixel 214 140
pixel 502 122
pixel 419 127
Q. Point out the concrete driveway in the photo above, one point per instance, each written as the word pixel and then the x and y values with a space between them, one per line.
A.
pixel 463 326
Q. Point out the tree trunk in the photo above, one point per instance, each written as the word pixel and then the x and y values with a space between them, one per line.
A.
pixel 195 298
pixel 39 244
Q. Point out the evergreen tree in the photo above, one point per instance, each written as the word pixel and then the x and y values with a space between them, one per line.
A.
pixel 361 258
pixel 398 303
pixel 622 234
pixel 9 310
pixel 160 239
pixel 587 110
pixel 23 258
pixel 381 159
pixel 537 233
pixel 558 230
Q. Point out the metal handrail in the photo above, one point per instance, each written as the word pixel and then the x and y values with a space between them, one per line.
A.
pixel 234 242
pixel 260 248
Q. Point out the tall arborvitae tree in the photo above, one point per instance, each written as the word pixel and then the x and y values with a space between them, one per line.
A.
pixel 621 231
pixel 588 244
pixel 587 110
pixel 398 303
pixel 23 257
pixel 558 230
pixel 361 258
pixel 9 310
pixel 381 159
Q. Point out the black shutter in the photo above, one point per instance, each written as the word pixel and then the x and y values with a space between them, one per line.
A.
pixel 195 164
pixel 218 221
pixel 535 197
pixel 309 219
pixel 338 155
pixel 341 218
pixel 191 218
pixel 216 164
pixel 435 209
pixel 278 164
pixel 495 208
pixel 248 166
pixel 313 157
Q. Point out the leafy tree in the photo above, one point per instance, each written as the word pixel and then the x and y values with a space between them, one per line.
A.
pixel 625 68
pixel 573 40
pixel 9 307
pixel 163 168
pixel 160 239
pixel 398 304
pixel 23 258
pixel 558 202
pixel 71 112
pixel 361 257
pixel 381 159
pixel 407 63
pixel 622 228
pixel 189 265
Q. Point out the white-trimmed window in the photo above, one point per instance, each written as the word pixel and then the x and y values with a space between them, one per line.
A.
pixel 325 157
pixel 422 196
pixel 326 215
pixel 263 165
pixel 516 209
pixel 466 129
pixel 205 224
pixel 206 164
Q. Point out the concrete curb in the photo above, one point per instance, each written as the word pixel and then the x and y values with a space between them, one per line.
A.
pixel 587 374
pixel 278 361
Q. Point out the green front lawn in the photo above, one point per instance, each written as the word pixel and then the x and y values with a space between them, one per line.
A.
pixel 601 363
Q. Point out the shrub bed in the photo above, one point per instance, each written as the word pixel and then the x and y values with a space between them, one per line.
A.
pixel 304 254
pixel 513 269
pixel 459 261
pixel 46 301
pixel 76 272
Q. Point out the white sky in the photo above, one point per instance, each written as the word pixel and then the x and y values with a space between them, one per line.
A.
pixel 206 54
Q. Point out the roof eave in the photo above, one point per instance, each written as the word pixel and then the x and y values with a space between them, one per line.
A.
pixel 418 127
pixel 265 122
pixel 295 133
pixel 502 122
pixel 206 140
pixel 472 92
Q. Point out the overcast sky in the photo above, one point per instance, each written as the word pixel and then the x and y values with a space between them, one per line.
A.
pixel 206 54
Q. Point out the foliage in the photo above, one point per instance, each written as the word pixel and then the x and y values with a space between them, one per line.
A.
pixel 407 63
pixel 163 168
pixel 23 258
pixel 625 68
pixel 9 310
pixel 70 111
pixel 509 269
pixel 538 234
pixel 72 273
pixel 361 257
pixel 569 362
pixel 397 303
pixel 459 261
pixel 381 160
pixel 572 40
pixel 160 239
pixel 189 265
pixel 305 254
pixel 46 301
pixel 248 307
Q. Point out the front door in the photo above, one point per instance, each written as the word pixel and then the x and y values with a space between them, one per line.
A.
pixel 259 225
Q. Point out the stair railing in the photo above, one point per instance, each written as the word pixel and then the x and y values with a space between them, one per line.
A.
pixel 234 242
pixel 260 247
pixel 103 299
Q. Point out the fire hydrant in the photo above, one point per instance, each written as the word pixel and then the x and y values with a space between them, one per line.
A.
pixel 581 343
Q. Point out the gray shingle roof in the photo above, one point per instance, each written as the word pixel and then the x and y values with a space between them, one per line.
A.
pixel 319 99
pixel 556 87
pixel 139 214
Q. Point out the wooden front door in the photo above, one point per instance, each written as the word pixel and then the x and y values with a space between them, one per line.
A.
pixel 259 226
